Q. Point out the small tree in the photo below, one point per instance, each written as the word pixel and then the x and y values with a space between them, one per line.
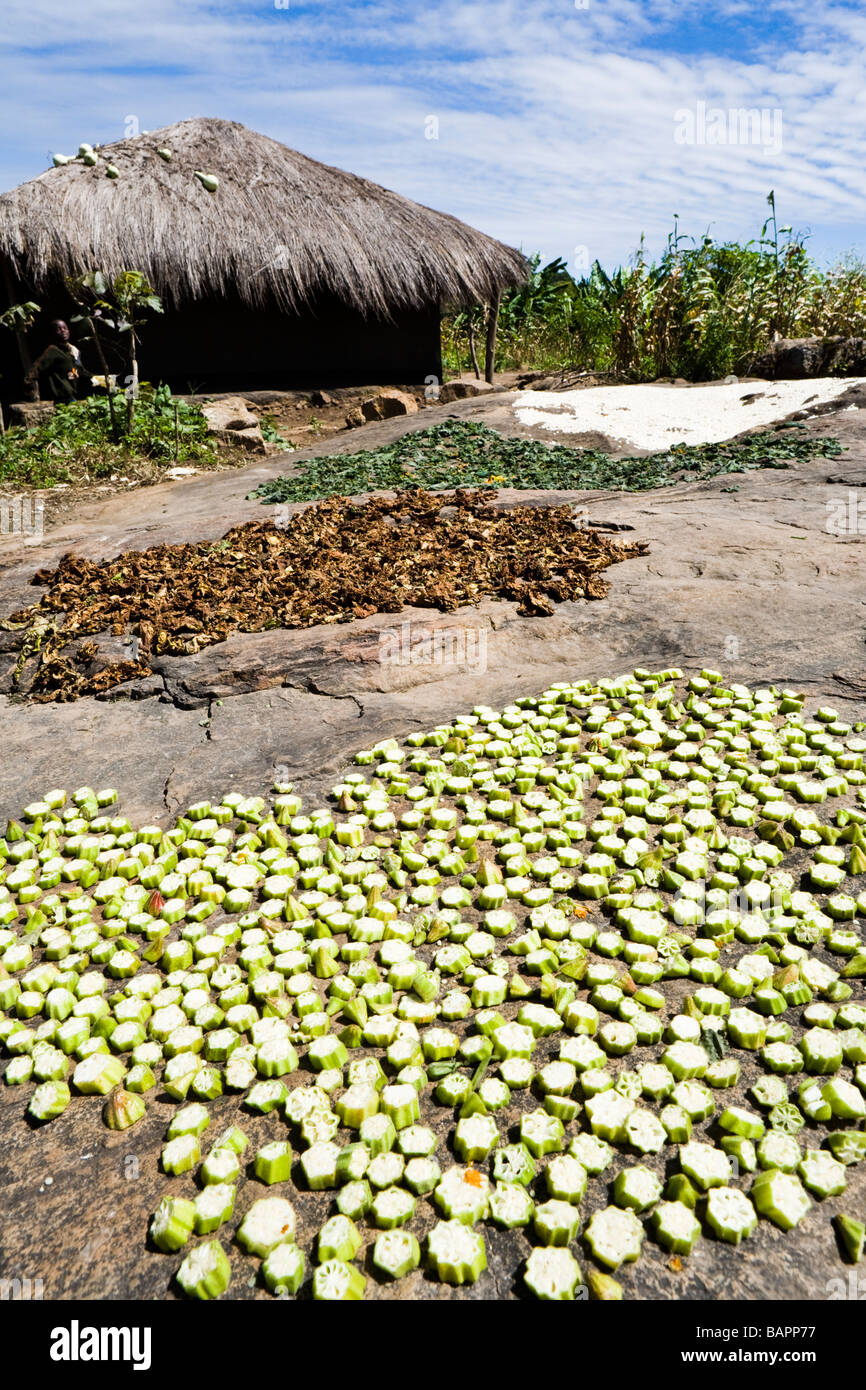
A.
pixel 119 305
pixel 18 318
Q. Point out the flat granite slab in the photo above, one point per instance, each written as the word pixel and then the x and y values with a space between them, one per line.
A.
pixel 742 574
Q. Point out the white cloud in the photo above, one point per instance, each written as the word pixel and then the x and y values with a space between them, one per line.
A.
pixel 556 124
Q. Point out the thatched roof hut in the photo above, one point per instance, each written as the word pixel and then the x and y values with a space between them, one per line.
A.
pixel 291 271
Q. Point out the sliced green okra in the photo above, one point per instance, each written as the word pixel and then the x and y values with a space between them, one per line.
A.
pixel 552 1273
pixel 455 1253
pixel 675 1226
pixel 206 1272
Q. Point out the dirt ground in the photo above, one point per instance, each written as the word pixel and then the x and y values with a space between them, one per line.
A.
pixel 742 574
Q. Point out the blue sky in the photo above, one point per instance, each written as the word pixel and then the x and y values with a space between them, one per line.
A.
pixel 567 126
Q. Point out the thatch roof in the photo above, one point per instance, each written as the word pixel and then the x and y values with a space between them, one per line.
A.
pixel 280 229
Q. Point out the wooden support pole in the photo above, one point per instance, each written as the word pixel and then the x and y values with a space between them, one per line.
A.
pixel 492 324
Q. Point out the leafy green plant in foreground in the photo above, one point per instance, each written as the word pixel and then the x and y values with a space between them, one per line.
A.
pixel 77 439
pixel 469 454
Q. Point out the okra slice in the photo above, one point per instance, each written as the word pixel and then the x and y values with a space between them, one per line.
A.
pixel 746 1029
pixel 781 1198
pixel 644 1132
pixel 400 1103
pixel 729 1214
pixel 541 1133
pixel 463 1195
pixel 822 1051
pixel 273 1162
pixel 190 1119
pixel 723 1073
pixel 277 1057
pixel 556 1223
pixel 779 1150
pixel 181 1154
pixel 742 1151
pixel 845 1101
pixel 848 1145
pixel 319 1165
pixel 339 1239
pixel 514 1040
pixel 123 1109
pixel 213 1206
pixel 49 1100
pixel 822 1174
pixel 552 1273
pixel 392 1207
pixel 283 1269
pixel 614 1236
pixel 565 1178
pixel 705 1165
pixel 695 1098
pixel 19 1071
pixel 769 1091
pixel 852 1236
pixel 679 1189
pixel 221 1165
pixel 269 1222
pixel 782 1058
pixel 511 1205
pixel 603 1288
pixel 98 1074
pixel 355 1199
pixel 494 1093
pixel 607 1114
pixel 452 1089
pixel 786 1117
pixel 353 1163
pixel 739 1121
pixel 421 1175
pixel 592 1153
pixel 685 1060
pixel 172 1223
pixel 357 1104
pixel 140 1079
pixel 675 1227
pixel 656 1081
pixel 417 1141
pixel 617 1039
pixel 557 1078
pixel 455 1254
pixel 265 1096
pixel 336 1281
pixel 517 1073
pixel 513 1163
pixel 178 1073
pixel 206 1272
pixel 636 1188
pixel 378 1133
pixel 475 1138
pixel 234 1139
pixel 396 1253
pixel 385 1169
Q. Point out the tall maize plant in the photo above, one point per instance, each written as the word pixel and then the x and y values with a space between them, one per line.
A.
pixel 701 310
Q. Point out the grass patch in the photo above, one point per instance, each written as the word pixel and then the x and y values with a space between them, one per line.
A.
pixel 75 443
pixel 468 454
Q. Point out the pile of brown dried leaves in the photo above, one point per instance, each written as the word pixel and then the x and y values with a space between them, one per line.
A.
pixel 331 563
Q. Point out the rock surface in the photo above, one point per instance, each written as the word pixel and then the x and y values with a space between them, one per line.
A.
pixel 230 419
pixel 792 358
pixel 743 574
pixel 465 388
pixel 388 404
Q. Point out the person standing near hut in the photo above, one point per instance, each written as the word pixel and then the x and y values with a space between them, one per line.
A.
pixel 61 373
